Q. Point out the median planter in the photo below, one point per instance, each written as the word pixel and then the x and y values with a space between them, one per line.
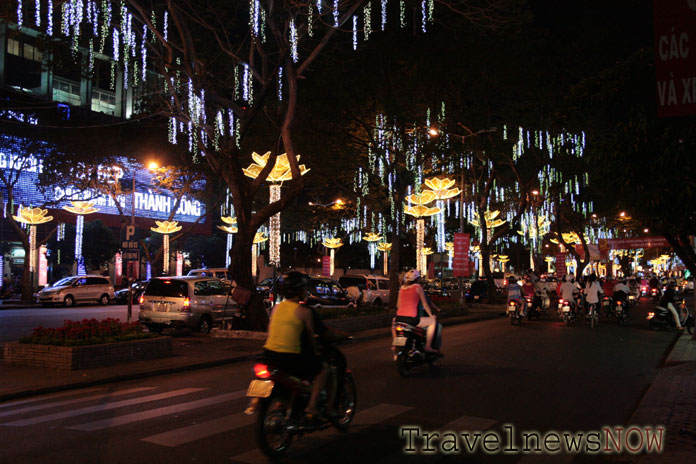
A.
pixel 86 356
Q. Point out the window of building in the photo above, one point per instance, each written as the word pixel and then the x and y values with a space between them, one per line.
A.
pixel 13 47
pixel 66 91
pixel 24 50
pixel 103 102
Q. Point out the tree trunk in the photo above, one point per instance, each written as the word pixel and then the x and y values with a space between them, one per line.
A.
pixel 27 284
pixel 240 270
pixel 486 263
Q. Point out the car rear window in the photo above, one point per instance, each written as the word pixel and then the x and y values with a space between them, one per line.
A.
pixel 167 287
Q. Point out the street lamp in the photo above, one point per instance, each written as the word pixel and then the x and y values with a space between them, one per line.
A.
pixel 81 209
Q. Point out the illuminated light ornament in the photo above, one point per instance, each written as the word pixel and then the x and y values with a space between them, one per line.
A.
pixel 148 271
pixel 179 263
pixel 254 17
pixel 367 20
pixel 491 218
pixel 402 13
pixel 43 266
pixel 260 237
pixel 37 15
pixel 424 15
pixel 32 217
pixel 426 252
pixel 384 14
pixel 372 237
pixel 442 190
pixel 385 248
pixel 2 269
pixel 280 83
pixel 165 228
pixel 332 244
pixel 81 209
pixel 502 259
pixel 355 32
pixel 420 211
pixel 335 13
pixel 571 238
pixel 549 260
pixel 293 44
pixel 449 247
pixel 310 19
pixel 230 228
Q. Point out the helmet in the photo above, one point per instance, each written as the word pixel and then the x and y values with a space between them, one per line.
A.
pixel 512 279
pixel 291 284
pixel 412 276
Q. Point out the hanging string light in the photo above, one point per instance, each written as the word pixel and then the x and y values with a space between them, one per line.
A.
pixel 81 209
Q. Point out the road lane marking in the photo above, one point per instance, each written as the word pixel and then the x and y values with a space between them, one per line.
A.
pixel 195 432
pixel 159 412
pixel 72 401
pixel 49 397
pixel 102 407
pixel 368 417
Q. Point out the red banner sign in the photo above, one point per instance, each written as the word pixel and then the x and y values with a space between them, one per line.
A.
pixel 675 57
pixel 460 262
pixel 561 265
pixel 326 266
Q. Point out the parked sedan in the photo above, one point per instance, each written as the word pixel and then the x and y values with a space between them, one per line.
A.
pixel 121 296
pixel 327 293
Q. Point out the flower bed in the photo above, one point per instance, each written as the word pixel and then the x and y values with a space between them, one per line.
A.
pixel 87 344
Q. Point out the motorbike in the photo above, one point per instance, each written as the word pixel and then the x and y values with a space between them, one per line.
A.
pixel 607 306
pixel 655 294
pixel 620 311
pixel 533 311
pixel 644 290
pixel 545 300
pixel 663 318
pixel 408 346
pixel 514 312
pixel 592 316
pixel 279 400
pixel 567 312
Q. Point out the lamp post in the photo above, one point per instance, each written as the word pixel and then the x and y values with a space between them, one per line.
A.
pixel 385 248
pixel 332 244
pixel 81 209
pixel 166 228
pixel 32 217
pixel 281 172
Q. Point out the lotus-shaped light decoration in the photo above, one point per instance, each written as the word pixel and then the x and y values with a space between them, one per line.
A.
pixel 491 218
pixel 442 188
pixel 427 196
pixel 384 247
pixel 166 227
pixel 281 170
pixel 449 246
pixel 260 237
pixel 571 238
pixel 372 237
pixel 81 207
pixel 420 211
pixel 32 216
pixel 427 251
pixel 231 227
pixel 332 243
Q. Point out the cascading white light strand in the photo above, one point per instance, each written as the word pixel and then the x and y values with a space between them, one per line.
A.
pixel 254 17
pixel 274 230
pixel 245 83
pixel 319 6
pixel 37 14
pixel 32 248
pixel 402 13
pixel 420 240
pixel 367 20
pixel 280 83
pixel 293 41
pixel 143 52
pixel 228 258
pixel 384 14
pixel 79 233
pixel 166 25
pixel 165 266
pixel 335 13
pixel 424 16
pixel 20 14
pixel 355 32
pixel 116 45
pixel 49 27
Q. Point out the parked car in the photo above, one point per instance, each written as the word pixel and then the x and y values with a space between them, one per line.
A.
pixel 185 302
pixel 478 291
pixel 327 293
pixel 121 296
pixel 219 272
pixel 366 289
pixel 78 289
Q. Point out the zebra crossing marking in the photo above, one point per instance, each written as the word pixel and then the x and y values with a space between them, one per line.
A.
pixel 195 432
pixel 49 397
pixel 159 412
pixel 72 401
pixel 101 407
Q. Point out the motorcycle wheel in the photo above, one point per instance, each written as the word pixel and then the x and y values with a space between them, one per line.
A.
pixel 402 364
pixel 512 320
pixel 346 404
pixel 272 434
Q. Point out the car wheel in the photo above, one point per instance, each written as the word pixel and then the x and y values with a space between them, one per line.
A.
pixel 69 300
pixel 104 300
pixel 205 324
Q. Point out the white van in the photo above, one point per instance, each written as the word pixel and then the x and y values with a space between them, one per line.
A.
pixel 366 289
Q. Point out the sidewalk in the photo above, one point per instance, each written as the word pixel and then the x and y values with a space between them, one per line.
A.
pixel 190 352
pixel 671 401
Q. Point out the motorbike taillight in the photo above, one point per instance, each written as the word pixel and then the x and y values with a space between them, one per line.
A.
pixel 651 315
pixel 261 370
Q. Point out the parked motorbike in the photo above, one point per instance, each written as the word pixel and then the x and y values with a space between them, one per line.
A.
pixel 408 347
pixel 567 311
pixel 514 312
pixel 279 400
pixel 663 318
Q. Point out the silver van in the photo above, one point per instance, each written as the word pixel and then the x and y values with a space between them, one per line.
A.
pixel 78 289
pixel 188 301
pixel 366 289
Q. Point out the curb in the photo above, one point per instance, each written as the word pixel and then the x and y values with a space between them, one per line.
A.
pixel 200 365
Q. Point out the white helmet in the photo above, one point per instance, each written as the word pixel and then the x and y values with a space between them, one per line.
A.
pixel 412 275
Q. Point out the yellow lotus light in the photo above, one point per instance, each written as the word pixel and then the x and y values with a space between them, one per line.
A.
pixel 549 259
pixel 421 211
pixel 231 227
pixel 491 218
pixel 423 198
pixel 32 216
pixel 571 238
pixel 260 237
pixel 442 188
pixel 332 243
pixel 449 246
pixel 281 170
pixel 166 227
pixel 427 251
pixel 372 237
pixel 475 249
pixel 81 207
pixel 384 247
pixel 228 229
pixel 229 220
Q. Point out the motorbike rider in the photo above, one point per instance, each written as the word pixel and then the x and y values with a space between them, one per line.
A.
pixel 410 294
pixel 593 291
pixel 568 290
pixel 515 294
pixel 528 290
pixel 283 347
pixel 667 301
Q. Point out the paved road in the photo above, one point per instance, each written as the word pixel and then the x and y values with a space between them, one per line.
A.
pixel 16 323
pixel 540 376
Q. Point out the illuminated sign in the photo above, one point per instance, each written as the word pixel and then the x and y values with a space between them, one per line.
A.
pixel 150 202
